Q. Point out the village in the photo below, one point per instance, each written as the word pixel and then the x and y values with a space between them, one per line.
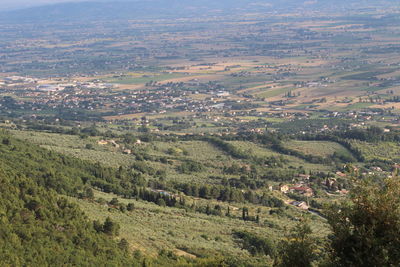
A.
pixel 45 97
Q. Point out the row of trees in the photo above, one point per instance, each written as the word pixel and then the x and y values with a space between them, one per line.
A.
pixel 228 194
pixel 371 134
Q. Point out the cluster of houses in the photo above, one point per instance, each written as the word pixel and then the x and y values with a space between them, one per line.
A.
pixel 93 95
pixel 52 94
pixel 299 189
pixel 35 95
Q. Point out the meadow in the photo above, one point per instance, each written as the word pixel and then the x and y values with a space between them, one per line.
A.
pixel 317 148
pixel 151 228
pixel 380 150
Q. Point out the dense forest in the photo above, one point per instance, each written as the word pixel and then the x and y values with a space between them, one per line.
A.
pixel 39 228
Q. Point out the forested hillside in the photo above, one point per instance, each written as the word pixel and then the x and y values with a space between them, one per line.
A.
pixel 39 228
pixel 42 227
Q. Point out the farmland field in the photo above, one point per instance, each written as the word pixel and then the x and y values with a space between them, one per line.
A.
pixel 318 148
pixel 381 150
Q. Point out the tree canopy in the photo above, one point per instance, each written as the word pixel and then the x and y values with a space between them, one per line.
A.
pixel 366 230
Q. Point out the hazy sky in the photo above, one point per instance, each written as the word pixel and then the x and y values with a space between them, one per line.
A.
pixel 7 4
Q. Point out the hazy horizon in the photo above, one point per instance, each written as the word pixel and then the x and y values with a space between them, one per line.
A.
pixel 21 4
pixel 18 4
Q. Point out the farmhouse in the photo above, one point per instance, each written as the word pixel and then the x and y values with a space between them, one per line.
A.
pixel 47 88
pixel 283 188
pixel 300 204
pixel 102 142
pixel 127 151
pixel 304 176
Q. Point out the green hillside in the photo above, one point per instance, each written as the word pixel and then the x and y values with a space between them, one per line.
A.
pixel 39 228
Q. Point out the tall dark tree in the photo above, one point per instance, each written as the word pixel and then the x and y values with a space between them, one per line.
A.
pixel 110 227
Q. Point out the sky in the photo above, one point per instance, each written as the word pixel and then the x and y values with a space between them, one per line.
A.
pixel 13 4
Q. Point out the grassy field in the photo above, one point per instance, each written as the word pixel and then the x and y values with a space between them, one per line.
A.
pixel 150 228
pixel 273 92
pixel 381 150
pixel 75 146
pixel 212 158
pixel 261 151
pixel 145 78
pixel 52 139
pixel 317 148
pixel 195 150
pixel 356 106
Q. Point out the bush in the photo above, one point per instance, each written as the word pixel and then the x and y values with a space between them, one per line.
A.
pixel 254 244
pixel 130 207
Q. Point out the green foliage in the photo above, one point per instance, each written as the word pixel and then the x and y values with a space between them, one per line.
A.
pixel 298 249
pixel 371 134
pixel 254 244
pixel 110 227
pixel 6 141
pixel 161 202
pixel 378 151
pixel 123 244
pixel 324 149
pixel 130 207
pixel 175 151
pixel 76 177
pixel 229 194
pixel 189 167
pixel 38 228
pixel 88 193
pixel 310 125
pixel 89 146
pixel 228 148
pixel 114 201
pixel 366 230
pixel 68 175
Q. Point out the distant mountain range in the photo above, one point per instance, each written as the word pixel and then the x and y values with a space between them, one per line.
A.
pixel 139 9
